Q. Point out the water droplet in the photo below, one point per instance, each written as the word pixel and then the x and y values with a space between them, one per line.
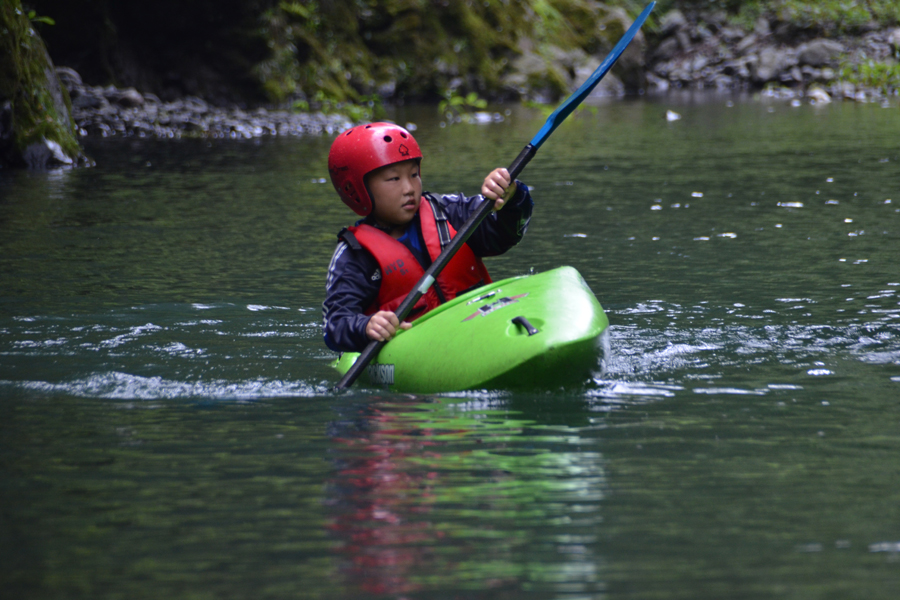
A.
pixel 819 372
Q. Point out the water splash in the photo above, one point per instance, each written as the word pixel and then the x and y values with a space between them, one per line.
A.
pixel 125 386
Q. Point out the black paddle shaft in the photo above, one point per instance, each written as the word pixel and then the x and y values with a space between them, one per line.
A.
pixel 427 280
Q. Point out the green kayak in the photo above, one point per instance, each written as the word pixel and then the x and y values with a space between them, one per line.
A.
pixel 534 331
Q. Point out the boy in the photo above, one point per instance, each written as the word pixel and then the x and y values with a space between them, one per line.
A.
pixel 375 169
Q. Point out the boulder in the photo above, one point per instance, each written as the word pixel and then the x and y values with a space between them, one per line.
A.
pixel 672 22
pixel 667 50
pixel 129 98
pixel 46 154
pixel 762 28
pixel 817 95
pixel 535 74
pixel 746 44
pixel 894 39
pixel 69 78
pixel 819 53
pixel 630 68
pixel 771 62
pixel 608 86
pixel 88 98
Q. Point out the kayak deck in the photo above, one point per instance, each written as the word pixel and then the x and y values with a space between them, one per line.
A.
pixel 534 331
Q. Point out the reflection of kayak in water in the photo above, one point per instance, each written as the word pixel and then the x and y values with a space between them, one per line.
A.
pixel 535 331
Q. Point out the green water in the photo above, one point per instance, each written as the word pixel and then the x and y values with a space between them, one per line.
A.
pixel 167 428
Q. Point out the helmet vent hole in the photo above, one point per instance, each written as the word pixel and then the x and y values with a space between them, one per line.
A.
pixel 387 139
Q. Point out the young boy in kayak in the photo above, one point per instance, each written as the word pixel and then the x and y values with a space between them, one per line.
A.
pixel 375 169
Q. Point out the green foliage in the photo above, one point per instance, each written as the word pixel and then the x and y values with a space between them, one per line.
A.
pixel 349 48
pixel 352 48
pixel 34 18
pixel 454 105
pixel 829 16
pixel 873 74
pixel 842 16
pixel 542 107
pixel 366 109
pixel 825 16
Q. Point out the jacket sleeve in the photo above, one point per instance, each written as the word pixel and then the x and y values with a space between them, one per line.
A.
pixel 500 230
pixel 351 287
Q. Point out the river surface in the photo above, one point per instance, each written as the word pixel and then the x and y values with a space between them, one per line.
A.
pixel 168 429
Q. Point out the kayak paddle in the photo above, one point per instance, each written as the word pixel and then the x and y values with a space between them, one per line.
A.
pixel 484 209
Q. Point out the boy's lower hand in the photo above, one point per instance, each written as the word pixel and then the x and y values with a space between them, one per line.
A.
pixel 383 326
pixel 498 187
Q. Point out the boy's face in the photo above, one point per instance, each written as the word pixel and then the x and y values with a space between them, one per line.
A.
pixel 396 191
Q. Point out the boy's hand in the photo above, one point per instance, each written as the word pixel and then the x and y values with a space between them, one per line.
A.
pixel 383 325
pixel 498 187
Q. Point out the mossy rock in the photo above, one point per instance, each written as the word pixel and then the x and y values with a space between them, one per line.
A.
pixel 36 128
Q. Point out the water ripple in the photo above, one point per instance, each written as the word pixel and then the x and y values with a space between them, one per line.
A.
pixel 125 386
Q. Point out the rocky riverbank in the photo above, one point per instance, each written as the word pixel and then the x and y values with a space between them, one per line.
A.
pixel 703 51
pixel 110 111
pixel 707 52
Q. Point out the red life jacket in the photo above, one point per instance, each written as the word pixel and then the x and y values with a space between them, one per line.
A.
pixel 400 271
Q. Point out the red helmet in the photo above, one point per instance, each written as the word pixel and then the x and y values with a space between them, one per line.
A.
pixel 359 151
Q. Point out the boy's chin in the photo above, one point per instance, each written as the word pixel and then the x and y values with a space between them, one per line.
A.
pixel 395 223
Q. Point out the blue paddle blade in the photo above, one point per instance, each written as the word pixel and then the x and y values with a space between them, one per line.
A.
pixel 572 102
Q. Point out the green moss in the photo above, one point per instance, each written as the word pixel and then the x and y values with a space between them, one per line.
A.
pixel 28 81
pixel 348 49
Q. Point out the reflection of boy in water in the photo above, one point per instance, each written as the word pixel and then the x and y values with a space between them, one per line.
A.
pixel 382 504
pixel 375 169
pixel 429 500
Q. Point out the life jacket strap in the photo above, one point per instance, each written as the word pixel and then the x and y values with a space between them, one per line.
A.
pixel 347 236
pixel 442 222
